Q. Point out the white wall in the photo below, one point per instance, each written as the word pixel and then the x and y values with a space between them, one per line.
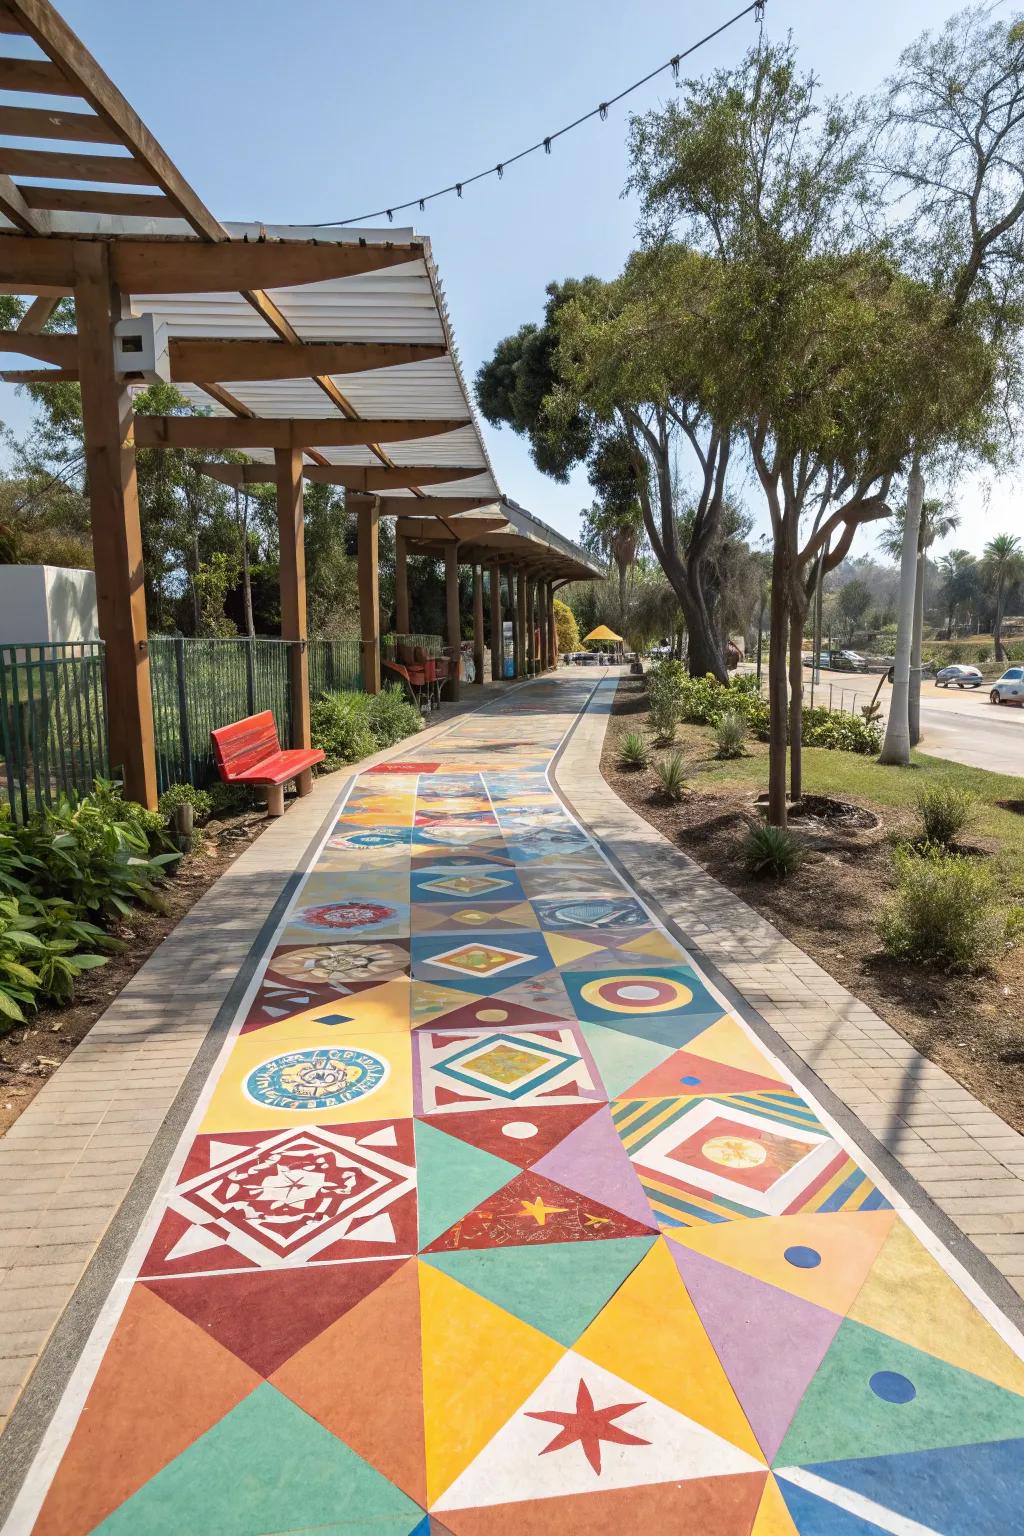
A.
pixel 45 604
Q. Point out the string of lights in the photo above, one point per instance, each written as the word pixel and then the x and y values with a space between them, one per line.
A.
pixel 600 111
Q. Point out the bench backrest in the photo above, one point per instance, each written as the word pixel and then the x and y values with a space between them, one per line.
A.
pixel 247 742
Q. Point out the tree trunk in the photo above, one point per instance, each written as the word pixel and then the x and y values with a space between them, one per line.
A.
pixel 623 573
pixel 706 653
pixel 250 626
pixel 796 686
pixel 914 693
pixel 896 747
pixel 997 627
pixel 777 699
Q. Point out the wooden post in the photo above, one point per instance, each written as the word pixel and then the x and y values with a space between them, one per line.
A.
pixel 292 579
pixel 453 622
pixel 497 626
pixel 552 626
pixel 531 628
pixel 367 519
pixel 401 586
pixel 478 623
pixel 521 665
pixel 116 530
pixel 542 625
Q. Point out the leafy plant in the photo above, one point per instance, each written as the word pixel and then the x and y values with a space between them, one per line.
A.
pixel 200 800
pixel 633 751
pixel 95 853
pixel 771 852
pixel 391 716
pixel 946 810
pixel 731 734
pixel 340 727
pixel 671 775
pixel 41 952
pixel 945 911
pixel 844 733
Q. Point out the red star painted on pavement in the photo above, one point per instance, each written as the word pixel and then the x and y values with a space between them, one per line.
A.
pixel 589 1425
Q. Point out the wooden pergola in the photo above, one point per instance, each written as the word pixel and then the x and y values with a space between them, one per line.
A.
pixel 322 358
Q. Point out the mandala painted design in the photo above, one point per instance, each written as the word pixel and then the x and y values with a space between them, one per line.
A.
pixel 595 914
pixel 637 993
pixel 369 841
pixel 293 1194
pixel 348 915
pixel 316 1079
pixel 341 964
pixel 479 959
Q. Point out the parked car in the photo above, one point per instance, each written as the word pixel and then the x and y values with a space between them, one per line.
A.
pixel 824 660
pixel 849 661
pixel 1008 689
pixel 963 677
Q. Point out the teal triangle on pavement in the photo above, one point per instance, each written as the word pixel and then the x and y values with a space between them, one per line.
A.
pixel 875 1396
pixel 265 1467
pixel 556 1287
pixel 452 1177
pixel 621 1059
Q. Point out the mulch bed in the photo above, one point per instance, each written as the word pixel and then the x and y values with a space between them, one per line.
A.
pixel 973 1026
pixel 31 1053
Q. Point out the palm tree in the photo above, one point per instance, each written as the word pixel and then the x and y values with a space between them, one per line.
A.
pixel 957 569
pixel 1002 565
pixel 936 523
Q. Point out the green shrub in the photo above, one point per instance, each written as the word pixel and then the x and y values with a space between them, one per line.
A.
pixel 771 852
pixel 665 682
pixel 1015 652
pixel 954 653
pixel 226 799
pixel 844 733
pixel 946 810
pixel 200 800
pixel 633 751
pixel 392 716
pixel 340 727
pixel 731 734
pixel 983 655
pixel 94 853
pixel 671 775
pixel 945 911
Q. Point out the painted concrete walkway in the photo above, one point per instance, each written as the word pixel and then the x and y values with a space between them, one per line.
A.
pixel 492 1208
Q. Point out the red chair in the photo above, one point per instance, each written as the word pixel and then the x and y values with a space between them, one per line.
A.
pixel 414 677
pixel 248 752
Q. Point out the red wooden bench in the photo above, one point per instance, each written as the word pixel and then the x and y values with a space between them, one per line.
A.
pixel 248 752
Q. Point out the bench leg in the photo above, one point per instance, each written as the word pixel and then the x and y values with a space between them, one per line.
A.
pixel 304 782
pixel 275 799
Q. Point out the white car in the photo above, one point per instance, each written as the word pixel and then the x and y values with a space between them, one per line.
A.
pixel 1008 689
pixel 961 677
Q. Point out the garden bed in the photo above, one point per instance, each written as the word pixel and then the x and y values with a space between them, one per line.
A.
pixel 973 1026
pixel 30 1053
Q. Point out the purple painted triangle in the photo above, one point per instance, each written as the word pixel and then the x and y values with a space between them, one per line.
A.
pixel 593 1161
pixel 770 1343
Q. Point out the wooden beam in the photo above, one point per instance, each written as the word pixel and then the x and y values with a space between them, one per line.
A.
pixel 39 375
pixel 116 529
pixel 434 506
pixel 292 577
pixel 19 210
pixel 36 316
pixel 137 205
pixel 241 474
pixel 85 78
pixel 478 623
pixel 69 165
pixel 199 360
pixel 430 531
pixel 497 625
pixel 453 620
pixel 36 75
pixel 188 266
pixel 228 400
pixel 367 523
pixel 41 123
pixel 34 265
pixel 403 477
pixel 220 432
pixel 61 350
pixel 401 585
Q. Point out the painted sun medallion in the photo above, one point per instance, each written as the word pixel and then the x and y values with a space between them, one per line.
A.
pixel 637 994
pixel 370 842
pixel 341 964
pixel 321 1078
pixel 346 914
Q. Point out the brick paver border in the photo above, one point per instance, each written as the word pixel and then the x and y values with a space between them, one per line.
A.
pixel 956 1162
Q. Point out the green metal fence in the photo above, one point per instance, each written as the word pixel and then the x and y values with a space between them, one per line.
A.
pixel 431 644
pixel 53 722
pixel 333 667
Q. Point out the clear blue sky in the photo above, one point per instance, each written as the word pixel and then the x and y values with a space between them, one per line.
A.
pixel 315 109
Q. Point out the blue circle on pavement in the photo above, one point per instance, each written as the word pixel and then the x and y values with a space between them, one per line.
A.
pixel 891 1387
pixel 802 1258
pixel 325 1077
pixel 690 1081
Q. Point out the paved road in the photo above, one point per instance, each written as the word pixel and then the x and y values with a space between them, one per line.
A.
pixel 493 1207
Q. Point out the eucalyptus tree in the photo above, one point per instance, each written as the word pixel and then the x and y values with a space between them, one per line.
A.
pixel 951 151
pixel 814 343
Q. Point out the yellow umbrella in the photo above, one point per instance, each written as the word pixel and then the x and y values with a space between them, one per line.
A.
pixel 602 632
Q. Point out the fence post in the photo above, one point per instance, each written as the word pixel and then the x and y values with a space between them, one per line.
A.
pixel 185 735
pixel 250 677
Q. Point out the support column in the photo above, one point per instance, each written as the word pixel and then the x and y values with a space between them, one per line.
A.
pixel 513 612
pixel 292 581
pixel 497 626
pixel 521 665
pixel 542 625
pixel 478 622
pixel 116 530
pixel 452 620
pixel 552 626
pixel 531 628
pixel 367 545
pixel 401 586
